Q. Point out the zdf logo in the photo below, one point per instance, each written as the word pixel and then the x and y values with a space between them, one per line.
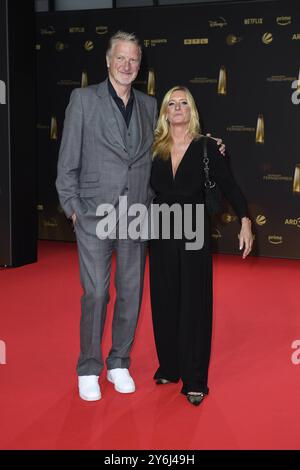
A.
pixel 2 92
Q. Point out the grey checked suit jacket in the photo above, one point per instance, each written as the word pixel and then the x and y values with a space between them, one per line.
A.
pixel 93 158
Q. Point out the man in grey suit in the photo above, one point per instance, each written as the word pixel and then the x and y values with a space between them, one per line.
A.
pixel 106 153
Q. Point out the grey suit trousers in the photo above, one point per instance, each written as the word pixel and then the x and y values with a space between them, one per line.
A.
pixel 95 258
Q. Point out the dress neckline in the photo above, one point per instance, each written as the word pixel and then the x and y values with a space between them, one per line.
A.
pixel 182 158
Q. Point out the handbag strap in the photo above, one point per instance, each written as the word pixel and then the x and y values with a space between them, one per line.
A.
pixel 208 182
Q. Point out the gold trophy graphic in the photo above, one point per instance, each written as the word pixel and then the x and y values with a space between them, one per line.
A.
pixel 260 130
pixel 151 83
pixel 296 182
pixel 84 79
pixel 53 128
pixel 222 83
pixel 298 84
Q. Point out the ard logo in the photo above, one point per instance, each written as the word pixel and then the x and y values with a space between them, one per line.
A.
pixel 2 92
pixel 294 222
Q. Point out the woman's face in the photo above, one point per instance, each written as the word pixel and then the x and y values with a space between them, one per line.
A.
pixel 178 109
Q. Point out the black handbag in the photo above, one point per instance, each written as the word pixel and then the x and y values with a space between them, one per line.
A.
pixel 213 194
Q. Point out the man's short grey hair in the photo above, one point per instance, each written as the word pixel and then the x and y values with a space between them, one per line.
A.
pixel 123 36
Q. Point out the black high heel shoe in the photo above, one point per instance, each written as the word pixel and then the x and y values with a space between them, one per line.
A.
pixel 195 398
pixel 162 381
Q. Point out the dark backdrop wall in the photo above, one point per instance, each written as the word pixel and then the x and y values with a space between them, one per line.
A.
pixel 241 62
pixel 18 191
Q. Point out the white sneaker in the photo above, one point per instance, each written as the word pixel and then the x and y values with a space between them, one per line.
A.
pixel 89 389
pixel 122 380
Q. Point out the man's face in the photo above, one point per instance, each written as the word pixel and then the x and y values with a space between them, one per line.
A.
pixel 123 62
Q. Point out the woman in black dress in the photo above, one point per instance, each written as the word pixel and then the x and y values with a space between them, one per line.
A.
pixel 181 279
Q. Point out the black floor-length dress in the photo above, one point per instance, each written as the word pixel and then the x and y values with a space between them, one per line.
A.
pixel 180 279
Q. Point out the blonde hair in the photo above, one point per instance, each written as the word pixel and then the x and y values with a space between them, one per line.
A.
pixel 123 36
pixel 162 135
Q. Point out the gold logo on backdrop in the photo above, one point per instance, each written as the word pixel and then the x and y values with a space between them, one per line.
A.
pixel 298 84
pixel 260 130
pixel 49 30
pixel 53 128
pixel 77 29
pixel 228 218
pixel 250 21
pixel 283 20
pixel 222 83
pixel 40 207
pixel 277 177
pixel 203 80
pixel 232 40
pixel 296 37
pixel 68 83
pixel 84 79
pixel 216 234
pixel 294 222
pixel 60 209
pixel 261 220
pixel 154 42
pixel 267 38
pixel 151 83
pixel 296 180
pixel 38 47
pixel 195 42
pixel 275 239
pixel 280 78
pixel 101 29
pixel 60 46
pixel 89 46
pixel 240 128
pixel 220 23
pixel 50 223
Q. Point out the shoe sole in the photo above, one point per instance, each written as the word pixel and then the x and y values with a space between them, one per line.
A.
pixel 89 399
pixel 118 389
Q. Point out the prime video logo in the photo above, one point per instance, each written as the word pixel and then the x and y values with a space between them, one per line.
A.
pixel 2 92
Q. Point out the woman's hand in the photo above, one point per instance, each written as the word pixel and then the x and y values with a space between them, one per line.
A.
pixel 246 236
pixel 222 147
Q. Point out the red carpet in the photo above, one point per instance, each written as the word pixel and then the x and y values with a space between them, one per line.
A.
pixel 254 401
